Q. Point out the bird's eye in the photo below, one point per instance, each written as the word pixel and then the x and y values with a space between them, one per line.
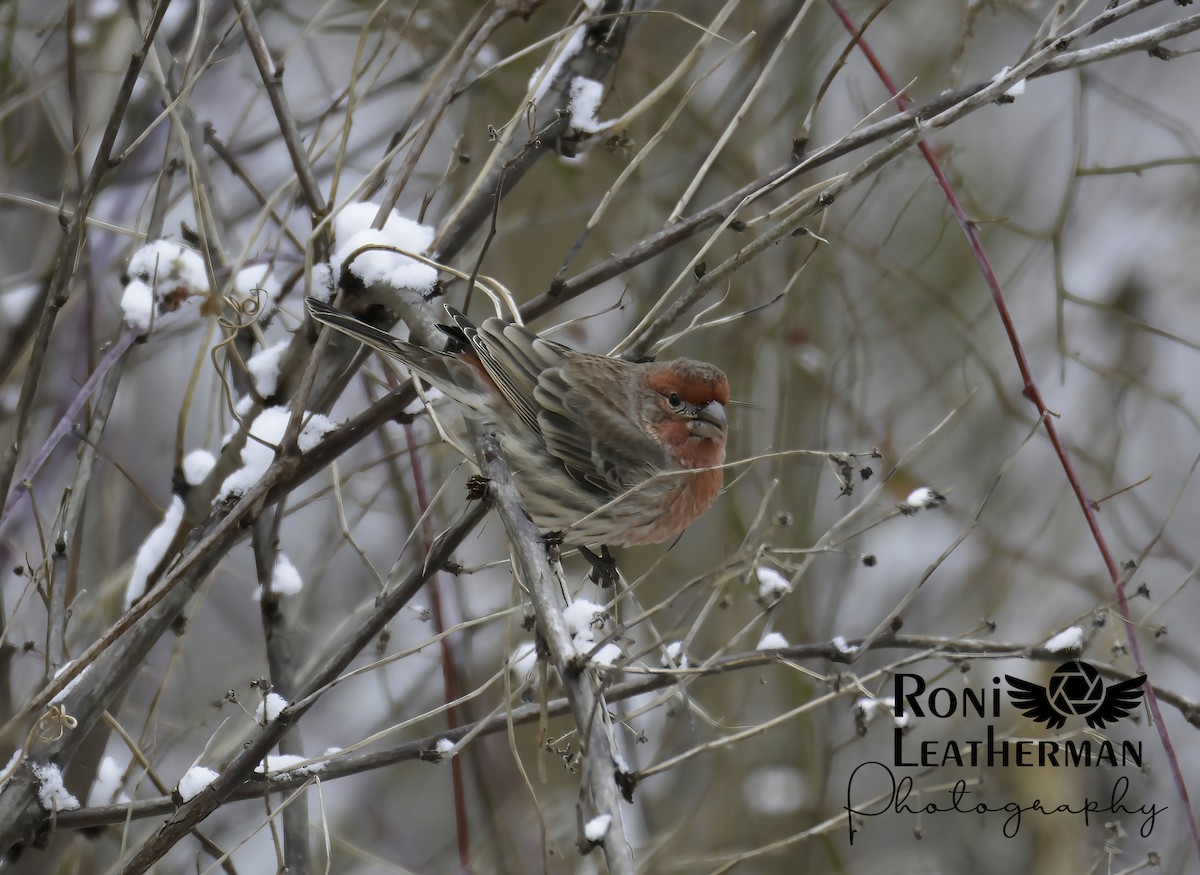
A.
pixel 674 400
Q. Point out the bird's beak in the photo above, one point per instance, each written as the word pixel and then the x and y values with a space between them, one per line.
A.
pixel 710 421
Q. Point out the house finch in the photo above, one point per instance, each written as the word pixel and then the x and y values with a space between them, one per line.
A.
pixel 604 451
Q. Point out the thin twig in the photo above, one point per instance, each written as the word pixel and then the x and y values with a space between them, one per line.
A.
pixel 71 251
pixel 272 78
pixel 66 422
pixel 583 686
pixel 649 681
pixel 242 767
pixel 1030 389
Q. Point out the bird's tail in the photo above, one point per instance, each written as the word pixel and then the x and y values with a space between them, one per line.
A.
pixel 462 377
pixel 416 357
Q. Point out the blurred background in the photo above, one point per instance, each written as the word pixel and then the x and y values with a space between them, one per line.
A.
pixel 864 349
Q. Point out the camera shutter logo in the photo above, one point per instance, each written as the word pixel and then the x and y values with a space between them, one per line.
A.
pixel 1076 690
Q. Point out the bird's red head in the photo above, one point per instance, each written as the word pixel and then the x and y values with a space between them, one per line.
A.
pixel 688 410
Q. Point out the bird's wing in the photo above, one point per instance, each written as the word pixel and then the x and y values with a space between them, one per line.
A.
pixel 1120 700
pixel 513 356
pixel 589 432
pixel 1032 701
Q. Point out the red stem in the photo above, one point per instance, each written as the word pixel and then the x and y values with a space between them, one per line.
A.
pixel 449 674
pixel 1030 391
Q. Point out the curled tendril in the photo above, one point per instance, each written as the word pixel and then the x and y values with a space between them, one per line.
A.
pixel 251 309
pixel 247 310
pixel 52 725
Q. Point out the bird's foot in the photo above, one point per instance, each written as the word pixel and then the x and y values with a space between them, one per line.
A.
pixel 477 487
pixel 604 566
pixel 553 542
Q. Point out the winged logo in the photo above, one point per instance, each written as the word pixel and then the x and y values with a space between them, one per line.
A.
pixel 1075 690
